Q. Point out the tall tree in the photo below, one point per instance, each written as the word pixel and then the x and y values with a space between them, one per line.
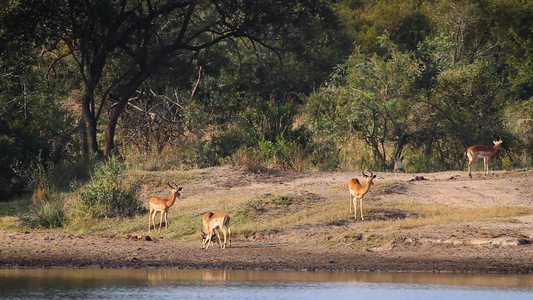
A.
pixel 119 44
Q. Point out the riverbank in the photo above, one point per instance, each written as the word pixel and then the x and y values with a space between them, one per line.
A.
pixel 393 237
pixel 46 250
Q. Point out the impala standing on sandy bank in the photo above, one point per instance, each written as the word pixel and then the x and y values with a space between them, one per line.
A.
pixel 358 191
pixel 481 151
pixel 158 204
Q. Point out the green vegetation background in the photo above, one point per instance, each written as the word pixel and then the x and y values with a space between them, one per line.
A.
pixel 302 85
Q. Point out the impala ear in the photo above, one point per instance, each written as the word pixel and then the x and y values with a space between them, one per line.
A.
pixel 179 189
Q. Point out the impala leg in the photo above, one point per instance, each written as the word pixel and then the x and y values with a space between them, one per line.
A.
pixel 361 206
pixel 486 162
pixel 217 232
pixel 229 235
pixel 207 242
pixel 225 238
pixel 154 212
pixel 149 217
pixel 470 160
pixel 166 220
pixel 470 168
pixel 354 199
pixel 208 238
pixel 160 221
pixel 351 204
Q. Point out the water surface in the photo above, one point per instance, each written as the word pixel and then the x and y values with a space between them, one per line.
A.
pixel 231 284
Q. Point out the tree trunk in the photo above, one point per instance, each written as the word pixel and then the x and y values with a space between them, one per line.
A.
pixel 134 84
pixel 82 127
pixel 90 122
pixel 400 143
pixel 111 128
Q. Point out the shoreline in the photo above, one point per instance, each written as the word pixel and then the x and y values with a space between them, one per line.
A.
pixel 83 251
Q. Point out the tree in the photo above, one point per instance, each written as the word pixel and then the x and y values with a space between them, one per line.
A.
pixel 119 44
pixel 35 129
pixel 375 100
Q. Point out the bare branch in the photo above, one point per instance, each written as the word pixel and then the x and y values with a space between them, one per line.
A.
pixel 197 81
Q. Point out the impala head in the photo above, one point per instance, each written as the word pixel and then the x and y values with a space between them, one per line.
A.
pixel 204 235
pixel 175 188
pixel 369 178
pixel 497 144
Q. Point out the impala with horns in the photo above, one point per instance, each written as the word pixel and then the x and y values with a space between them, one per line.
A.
pixel 358 191
pixel 158 204
pixel 214 223
pixel 481 151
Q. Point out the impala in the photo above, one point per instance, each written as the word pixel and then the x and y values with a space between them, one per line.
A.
pixel 358 191
pixel 158 204
pixel 213 224
pixel 481 151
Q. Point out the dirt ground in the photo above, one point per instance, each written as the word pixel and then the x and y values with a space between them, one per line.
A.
pixel 483 247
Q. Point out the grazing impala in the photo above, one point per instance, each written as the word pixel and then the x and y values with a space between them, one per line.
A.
pixel 213 224
pixel 358 191
pixel 158 204
pixel 481 151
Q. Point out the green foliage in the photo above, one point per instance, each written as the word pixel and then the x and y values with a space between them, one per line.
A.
pixel 114 63
pixel 46 211
pixel 224 146
pixel 108 194
pixel 373 101
pixel 35 126
pixel 437 86
pixel 471 102
pixel 518 120
pixel 427 78
pixel 285 154
pixel 264 135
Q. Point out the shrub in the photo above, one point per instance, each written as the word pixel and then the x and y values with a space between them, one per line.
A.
pixel 248 160
pixel 108 194
pixel 292 151
pixel 47 210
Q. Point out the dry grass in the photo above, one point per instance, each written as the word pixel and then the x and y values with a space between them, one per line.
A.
pixel 276 203
pixel 161 178
pixel 413 214
pixel 248 162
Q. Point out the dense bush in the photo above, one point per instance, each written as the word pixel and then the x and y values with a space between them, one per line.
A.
pixel 46 211
pixel 108 194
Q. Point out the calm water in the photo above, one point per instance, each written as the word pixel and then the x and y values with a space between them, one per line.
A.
pixel 228 284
